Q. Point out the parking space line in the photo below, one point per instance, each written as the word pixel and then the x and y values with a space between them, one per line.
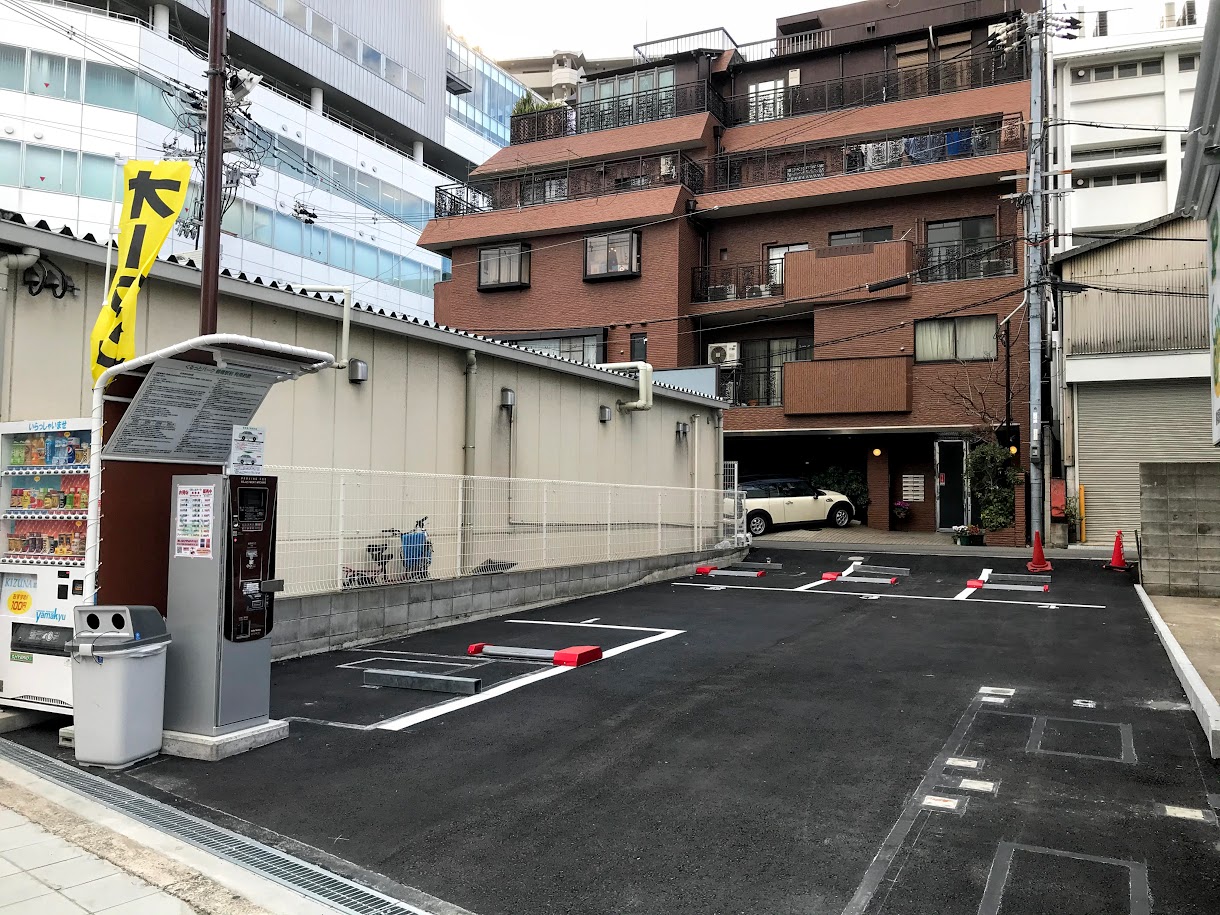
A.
pixel 891 595
pixel 1139 892
pixel 419 716
pixel 983 576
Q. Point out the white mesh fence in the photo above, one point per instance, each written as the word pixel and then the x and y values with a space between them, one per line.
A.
pixel 348 529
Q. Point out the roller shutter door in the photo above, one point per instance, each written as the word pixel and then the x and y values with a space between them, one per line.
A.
pixel 1120 424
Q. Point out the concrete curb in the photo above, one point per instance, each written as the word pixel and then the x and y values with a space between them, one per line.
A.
pixel 920 549
pixel 205 883
pixel 1205 706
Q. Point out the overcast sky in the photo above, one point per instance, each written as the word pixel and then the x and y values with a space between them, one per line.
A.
pixel 528 28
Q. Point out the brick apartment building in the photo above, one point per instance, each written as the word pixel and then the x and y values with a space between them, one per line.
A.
pixel 731 203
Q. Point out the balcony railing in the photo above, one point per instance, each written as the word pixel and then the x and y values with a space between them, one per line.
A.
pixel 850 156
pixel 574 182
pixel 620 111
pixel 784 45
pixel 752 387
pixel 708 39
pixel 728 282
pixel 968 259
pixel 991 68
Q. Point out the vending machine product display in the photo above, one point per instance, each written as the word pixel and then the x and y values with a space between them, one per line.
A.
pixel 44 506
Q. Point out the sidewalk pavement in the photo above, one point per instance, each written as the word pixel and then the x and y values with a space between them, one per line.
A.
pixel 63 853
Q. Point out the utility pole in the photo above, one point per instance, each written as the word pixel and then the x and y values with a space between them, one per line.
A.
pixel 1035 261
pixel 214 166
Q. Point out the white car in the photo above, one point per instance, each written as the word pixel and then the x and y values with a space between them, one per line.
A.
pixel 789 500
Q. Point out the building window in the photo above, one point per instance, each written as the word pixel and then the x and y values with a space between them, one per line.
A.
pixel 101 177
pixel 579 349
pixel 10 163
pixel 110 87
pixel 504 267
pixel 545 190
pixel 347 44
pixel 775 260
pixel 612 256
pixel 12 67
pixel 55 76
pixel 956 339
pixel 639 347
pixel 761 377
pixel 1103 73
pixel 1187 62
pixel 322 29
pixel 1080 76
pixel 296 12
pixel 1118 152
pixel 861 236
pixel 766 100
pixel 48 169
pixel 1127 70
pixel 1151 68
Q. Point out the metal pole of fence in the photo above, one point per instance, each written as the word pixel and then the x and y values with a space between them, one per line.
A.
pixel 339 528
pixel 660 538
pixel 544 524
pixel 609 509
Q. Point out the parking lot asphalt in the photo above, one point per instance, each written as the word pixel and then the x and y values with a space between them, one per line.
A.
pixel 919 747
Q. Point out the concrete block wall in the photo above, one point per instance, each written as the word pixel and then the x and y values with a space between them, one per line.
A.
pixel 1179 529
pixel 322 622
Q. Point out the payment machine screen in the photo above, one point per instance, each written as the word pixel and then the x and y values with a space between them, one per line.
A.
pixel 251 504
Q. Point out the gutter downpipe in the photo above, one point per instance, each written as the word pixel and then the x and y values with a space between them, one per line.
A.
pixel 468 465
pixel 644 370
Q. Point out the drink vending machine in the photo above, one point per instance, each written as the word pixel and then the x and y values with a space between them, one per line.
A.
pixel 44 504
pixel 220 606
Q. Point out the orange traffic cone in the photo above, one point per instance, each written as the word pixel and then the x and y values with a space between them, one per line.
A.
pixel 1038 563
pixel 1118 562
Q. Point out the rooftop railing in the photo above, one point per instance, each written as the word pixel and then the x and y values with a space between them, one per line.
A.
pixel 619 111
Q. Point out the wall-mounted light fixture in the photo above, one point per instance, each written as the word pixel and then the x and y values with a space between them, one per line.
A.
pixel 508 399
pixel 682 429
pixel 876 452
pixel 604 414
pixel 357 371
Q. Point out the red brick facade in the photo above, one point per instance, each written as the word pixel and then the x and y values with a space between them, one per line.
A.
pixel 687 230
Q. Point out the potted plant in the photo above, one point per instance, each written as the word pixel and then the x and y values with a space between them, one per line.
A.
pixel 992 480
pixel 902 510
pixel 1071 514
pixel 969 535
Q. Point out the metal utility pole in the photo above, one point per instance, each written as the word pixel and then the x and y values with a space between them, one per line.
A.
pixel 214 166
pixel 1035 255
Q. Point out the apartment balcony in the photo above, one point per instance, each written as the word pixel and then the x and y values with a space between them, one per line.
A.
pixel 620 111
pixel 829 274
pixel 576 182
pixel 459 78
pixel 844 386
pixel 862 155
pixel 970 259
pixel 978 71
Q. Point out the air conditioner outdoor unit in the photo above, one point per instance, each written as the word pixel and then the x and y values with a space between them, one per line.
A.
pixel 757 292
pixel 998 267
pixel 723 354
pixel 721 293
pixel 669 167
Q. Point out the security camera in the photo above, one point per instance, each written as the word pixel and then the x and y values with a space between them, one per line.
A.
pixel 242 83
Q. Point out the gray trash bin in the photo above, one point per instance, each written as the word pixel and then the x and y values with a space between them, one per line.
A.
pixel 118 684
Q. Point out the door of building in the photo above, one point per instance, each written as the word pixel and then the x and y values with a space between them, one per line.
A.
pixel 951 501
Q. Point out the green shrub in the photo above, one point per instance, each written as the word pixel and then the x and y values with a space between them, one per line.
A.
pixel 852 483
pixel 992 480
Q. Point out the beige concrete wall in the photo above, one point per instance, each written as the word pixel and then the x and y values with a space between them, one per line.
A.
pixel 408 417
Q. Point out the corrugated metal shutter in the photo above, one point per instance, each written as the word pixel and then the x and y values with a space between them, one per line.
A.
pixel 1121 424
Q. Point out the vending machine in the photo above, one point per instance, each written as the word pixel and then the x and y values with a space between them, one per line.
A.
pixel 44 504
pixel 220 607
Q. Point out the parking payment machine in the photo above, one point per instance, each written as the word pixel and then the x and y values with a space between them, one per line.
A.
pixel 220 606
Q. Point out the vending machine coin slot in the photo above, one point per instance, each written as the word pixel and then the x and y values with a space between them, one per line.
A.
pixel 249 606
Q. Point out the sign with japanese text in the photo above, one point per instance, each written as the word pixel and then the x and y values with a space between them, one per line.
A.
pixel 153 195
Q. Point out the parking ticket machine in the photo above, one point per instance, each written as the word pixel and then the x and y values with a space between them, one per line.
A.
pixel 220 606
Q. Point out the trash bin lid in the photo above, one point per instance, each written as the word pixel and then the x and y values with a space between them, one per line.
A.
pixel 117 628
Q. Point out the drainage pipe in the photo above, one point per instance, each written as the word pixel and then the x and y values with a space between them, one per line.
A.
pixel 10 262
pixel 644 402
pixel 468 465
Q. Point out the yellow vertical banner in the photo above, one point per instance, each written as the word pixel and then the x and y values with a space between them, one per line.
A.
pixel 153 195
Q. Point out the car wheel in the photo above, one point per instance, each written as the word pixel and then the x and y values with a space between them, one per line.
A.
pixel 758 523
pixel 840 515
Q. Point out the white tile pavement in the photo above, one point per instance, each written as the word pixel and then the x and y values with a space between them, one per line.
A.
pixel 41 874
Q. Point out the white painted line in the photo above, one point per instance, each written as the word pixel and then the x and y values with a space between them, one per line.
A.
pixel 1084 703
pixel 996 691
pixel 596 626
pixel 715 587
pixel 962 763
pixel 893 596
pixel 976 784
pixel 936 802
pixel 405 721
pixel 965 593
pixel 808 587
pixel 1205 706
pixel 993 700
pixel 593 620
pixel 1184 813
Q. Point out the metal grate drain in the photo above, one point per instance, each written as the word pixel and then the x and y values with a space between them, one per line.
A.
pixel 301 876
